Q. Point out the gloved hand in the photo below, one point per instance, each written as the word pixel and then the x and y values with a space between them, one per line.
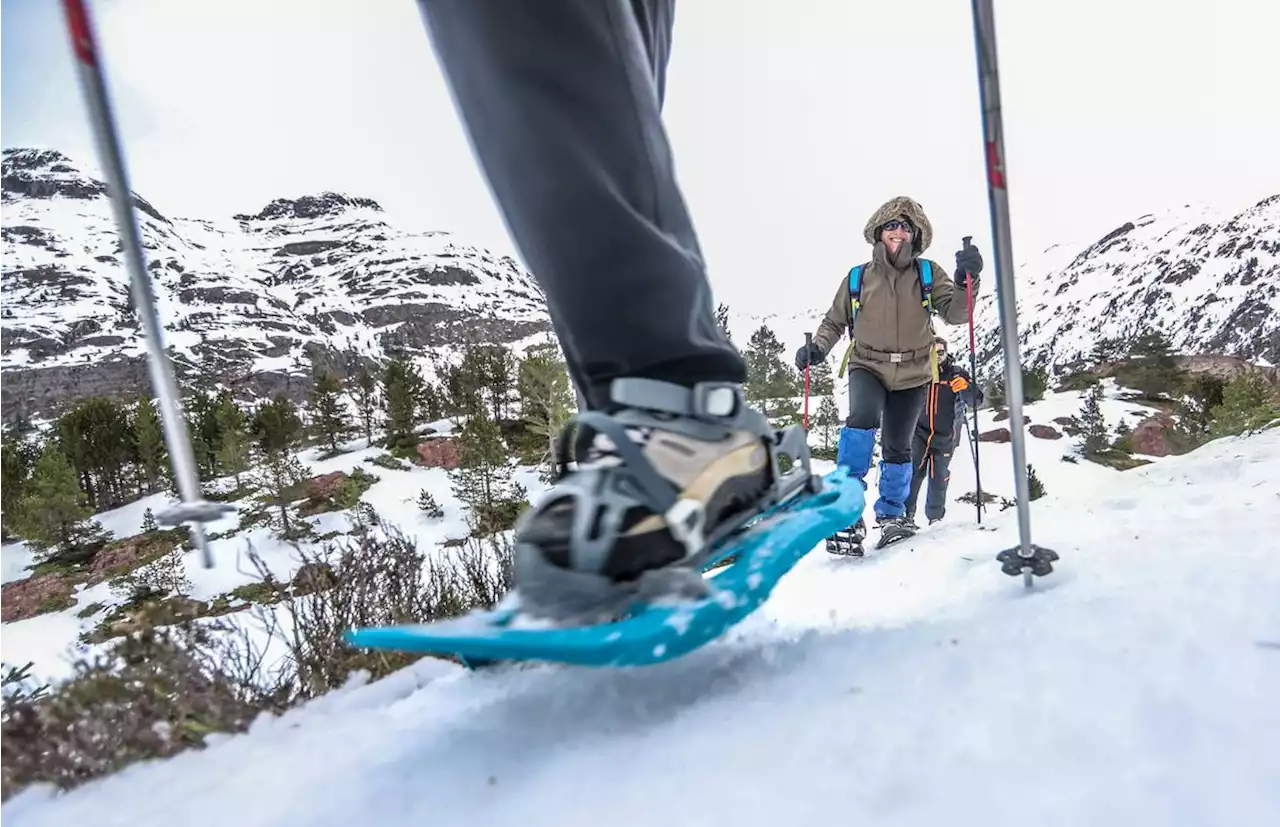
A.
pixel 968 261
pixel 807 355
pixel 958 384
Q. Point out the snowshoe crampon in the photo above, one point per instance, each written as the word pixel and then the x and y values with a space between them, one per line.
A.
pixel 895 531
pixel 847 543
pixel 656 630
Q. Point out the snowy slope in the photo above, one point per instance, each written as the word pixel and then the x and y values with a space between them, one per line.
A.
pixel 246 300
pixel 918 686
pixel 1208 278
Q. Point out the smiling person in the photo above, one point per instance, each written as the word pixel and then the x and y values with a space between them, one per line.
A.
pixel 886 306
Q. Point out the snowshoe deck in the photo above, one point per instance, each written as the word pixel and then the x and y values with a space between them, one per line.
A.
pixel 894 533
pixel 762 553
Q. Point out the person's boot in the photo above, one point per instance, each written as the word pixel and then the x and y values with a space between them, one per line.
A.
pixel 668 474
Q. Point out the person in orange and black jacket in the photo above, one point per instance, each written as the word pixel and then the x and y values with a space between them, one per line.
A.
pixel 937 430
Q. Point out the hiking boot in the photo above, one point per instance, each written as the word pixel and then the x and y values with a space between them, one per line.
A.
pixel 666 476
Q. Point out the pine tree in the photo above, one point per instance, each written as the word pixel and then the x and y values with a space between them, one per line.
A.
pixel 234 443
pixel 97 439
pixel 365 396
pixel 546 401
pixel 148 521
pixel 483 480
pixel 1035 488
pixel 148 445
pixel 722 318
pixel 827 422
pixel 1155 368
pixel 1093 425
pixel 1249 403
pixel 429 506
pixel 329 416
pixel 402 386
pixel 1105 350
pixel 821 380
pixel 276 425
pixel 53 507
pixel 1203 393
pixel 771 384
pixel 275 478
pixel 1035 381
pixel 13 478
pixel 499 372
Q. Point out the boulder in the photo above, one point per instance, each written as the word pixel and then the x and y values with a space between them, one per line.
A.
pixel 23 599
pixel 1044 432
pixel 1149 437
pixel 440 452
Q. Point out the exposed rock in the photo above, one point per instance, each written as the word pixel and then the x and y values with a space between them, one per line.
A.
pixel 325 486
pixel 440 452
pixel 995 435
pixel 32 596
pixel 1044 432
pixel 123 556
pixel 1149 436
pixel 1003 415
pixel 311 206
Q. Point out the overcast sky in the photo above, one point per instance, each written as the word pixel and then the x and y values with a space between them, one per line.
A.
pixel 791 121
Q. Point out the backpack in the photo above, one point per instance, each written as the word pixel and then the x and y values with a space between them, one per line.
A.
pixel 925 269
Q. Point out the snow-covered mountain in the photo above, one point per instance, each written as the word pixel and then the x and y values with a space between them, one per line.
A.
pixel 1207 278
pixel 247 301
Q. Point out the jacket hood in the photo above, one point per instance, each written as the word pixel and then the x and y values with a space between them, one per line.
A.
pixel 894 207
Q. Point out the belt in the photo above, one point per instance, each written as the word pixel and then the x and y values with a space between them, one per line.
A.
pixel 891 356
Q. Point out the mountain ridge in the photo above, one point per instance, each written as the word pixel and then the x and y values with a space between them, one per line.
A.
pixel 247 301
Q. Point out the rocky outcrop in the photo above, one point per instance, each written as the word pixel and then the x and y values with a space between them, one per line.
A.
pixel 32 596
pixel 1208 278
pixel 1044 432
pixel 440 452
pixel 250 303
pixel 1149 437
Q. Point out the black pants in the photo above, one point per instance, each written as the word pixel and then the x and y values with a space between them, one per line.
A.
pixel 930 460
pixel 894 412
pixel 562 102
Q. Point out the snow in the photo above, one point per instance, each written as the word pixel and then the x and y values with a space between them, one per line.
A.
pixel 916 686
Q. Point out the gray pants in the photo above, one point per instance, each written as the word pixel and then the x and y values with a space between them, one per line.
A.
pixel 562 101
pixel 931 463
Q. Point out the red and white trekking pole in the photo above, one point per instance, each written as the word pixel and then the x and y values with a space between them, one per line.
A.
pixel 973 372
pixel 194 508
pixel 808 342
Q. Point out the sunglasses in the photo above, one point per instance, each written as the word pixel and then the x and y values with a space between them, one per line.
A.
pixel 895 224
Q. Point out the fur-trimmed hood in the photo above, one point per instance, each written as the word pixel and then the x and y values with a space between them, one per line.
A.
pixel 894 207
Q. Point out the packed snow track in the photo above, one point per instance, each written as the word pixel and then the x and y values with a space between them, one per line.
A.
pixel 918 686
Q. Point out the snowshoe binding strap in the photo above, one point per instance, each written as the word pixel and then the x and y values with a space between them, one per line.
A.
pixel 614 478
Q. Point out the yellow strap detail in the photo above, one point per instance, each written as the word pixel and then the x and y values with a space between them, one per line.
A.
pixel 844 363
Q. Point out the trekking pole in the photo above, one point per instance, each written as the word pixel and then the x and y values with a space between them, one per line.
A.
pixel 808 342
pixel 1027 559
pixel 973 372
pixel 194 508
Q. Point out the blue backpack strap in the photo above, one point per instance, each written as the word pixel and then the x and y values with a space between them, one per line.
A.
pixel 926 283
pixel 855 295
